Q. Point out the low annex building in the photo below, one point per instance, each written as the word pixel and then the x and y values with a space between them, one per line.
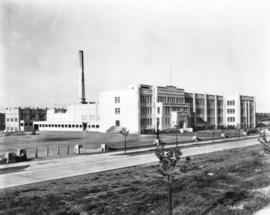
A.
pixel 22 118
pixel 77 117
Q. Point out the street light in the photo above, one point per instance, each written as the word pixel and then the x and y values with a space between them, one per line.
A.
pixel 213 132
pixel 157 129
pixel 176 139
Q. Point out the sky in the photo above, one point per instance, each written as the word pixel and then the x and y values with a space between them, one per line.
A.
pixel 216 47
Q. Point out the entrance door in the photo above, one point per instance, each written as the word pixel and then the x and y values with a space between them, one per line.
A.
pixel 35 127
pixel 117 123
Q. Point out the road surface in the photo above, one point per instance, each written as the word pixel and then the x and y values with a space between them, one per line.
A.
pixel 38 171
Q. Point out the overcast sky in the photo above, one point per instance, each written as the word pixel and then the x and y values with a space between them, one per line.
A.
pixel 216 47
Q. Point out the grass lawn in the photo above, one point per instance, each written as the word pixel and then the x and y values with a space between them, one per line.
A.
pixel 94 140
pixel 227 182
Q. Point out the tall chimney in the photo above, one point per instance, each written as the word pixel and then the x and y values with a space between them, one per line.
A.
pixel 81 79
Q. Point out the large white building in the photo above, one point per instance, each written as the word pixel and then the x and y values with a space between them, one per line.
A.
pixel 141 106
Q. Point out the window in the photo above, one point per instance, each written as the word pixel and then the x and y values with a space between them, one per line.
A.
pixel 167 110
pixel 232 102
pixel 117 100
pixel 84 117
pixel 231 119
pixel 158 110
pixel 230 110
pixel 161 98
pixel 7 119
pixel 117 110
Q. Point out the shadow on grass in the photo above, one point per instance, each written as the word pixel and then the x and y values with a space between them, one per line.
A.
pixel 13 169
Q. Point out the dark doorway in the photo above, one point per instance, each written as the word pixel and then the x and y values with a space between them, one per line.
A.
pixel 117 123
pixel 35 127
pixel 84 126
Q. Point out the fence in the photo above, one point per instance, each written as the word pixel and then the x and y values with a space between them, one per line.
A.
pixel 57 150
pixel 49 151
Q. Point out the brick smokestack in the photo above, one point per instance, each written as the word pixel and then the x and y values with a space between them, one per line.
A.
pixel 81 79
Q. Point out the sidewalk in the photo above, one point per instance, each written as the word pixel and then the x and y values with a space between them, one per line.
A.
pixel 264 211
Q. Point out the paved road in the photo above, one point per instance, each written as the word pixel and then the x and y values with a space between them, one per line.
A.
pixel 45 170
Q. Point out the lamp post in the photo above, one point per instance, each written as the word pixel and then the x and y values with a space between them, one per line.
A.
pixel 157 129
pixel 213 132
pixel 176 139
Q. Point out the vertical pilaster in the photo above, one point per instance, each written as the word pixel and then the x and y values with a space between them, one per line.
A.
pixel 254 113
pixel 245 111
pixel 248 113
pixel 194 103
pixel 216 112
pixel 205 107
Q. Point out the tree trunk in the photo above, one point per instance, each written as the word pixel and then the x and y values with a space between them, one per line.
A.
pixel 125 145
pixel 169 195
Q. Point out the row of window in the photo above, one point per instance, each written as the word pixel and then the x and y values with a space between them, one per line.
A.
pixel 230 110
pixel 146 110
pixel 232 102
pixel 199 102
pixel 169 99
pixel 92 117
pixel 231 119
pixel 117 110
pixel 146 98
pixel 12 119
pixel 27 124
pixel 12 129
pixel 65 126
pixel 146 121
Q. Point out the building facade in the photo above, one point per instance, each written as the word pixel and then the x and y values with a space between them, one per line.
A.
pixel 22 119
pixel 77 117
pixel 2 121
pixel 140 107
pixel 240 111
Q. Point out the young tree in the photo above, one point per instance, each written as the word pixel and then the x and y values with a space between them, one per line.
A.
pixel 167 161
pixel 125 133
pixel 264 142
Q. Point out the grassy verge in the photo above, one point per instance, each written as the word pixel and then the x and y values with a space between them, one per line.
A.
pixel 217 183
